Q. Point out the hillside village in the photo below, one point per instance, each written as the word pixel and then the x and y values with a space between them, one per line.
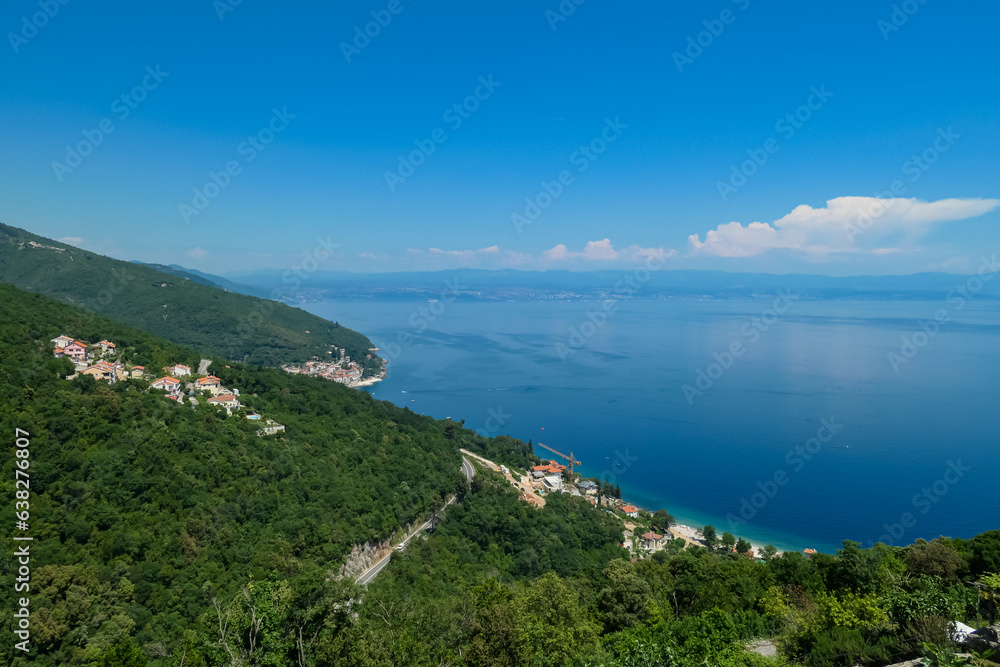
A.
pixel 102 362
pixel 343 370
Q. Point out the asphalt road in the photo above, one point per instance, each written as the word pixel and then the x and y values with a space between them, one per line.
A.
pixel 373 571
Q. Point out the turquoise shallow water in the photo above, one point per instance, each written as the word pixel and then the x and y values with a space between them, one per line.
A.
pixel 909 449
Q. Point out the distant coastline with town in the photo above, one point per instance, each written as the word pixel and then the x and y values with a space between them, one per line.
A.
pixel 342 370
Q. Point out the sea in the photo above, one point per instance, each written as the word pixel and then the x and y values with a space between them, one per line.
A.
pixel 793 422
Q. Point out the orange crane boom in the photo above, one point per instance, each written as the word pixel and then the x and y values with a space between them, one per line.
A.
pixel 568 458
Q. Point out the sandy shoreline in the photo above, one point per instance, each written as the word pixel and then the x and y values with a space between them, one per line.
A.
pixel 693 536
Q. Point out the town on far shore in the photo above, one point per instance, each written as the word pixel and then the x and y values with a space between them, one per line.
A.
pixel 103 362
pixel 342 370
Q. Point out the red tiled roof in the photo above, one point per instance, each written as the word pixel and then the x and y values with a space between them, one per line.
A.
pixel 629 508
pixel 651 536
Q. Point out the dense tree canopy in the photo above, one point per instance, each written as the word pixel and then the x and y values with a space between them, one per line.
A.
pixel 171 534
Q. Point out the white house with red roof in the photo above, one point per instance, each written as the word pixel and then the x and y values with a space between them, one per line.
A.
pixel 652 541
pixel 167 383
pixel 630 510
pixel 137 371
pixel 107 346
pixel 180 370
pixel 228 401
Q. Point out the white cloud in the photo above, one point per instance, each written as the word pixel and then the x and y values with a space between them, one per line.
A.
pixel 604 251
pixel 845 224
pixel 600 252
pixel 197 253
pixel 72 240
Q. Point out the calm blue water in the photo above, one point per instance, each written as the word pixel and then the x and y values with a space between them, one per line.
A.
pixel 617 402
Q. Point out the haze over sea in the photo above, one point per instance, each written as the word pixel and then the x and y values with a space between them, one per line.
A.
pixel 914 454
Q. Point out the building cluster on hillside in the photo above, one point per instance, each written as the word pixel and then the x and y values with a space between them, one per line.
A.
pixel 343 370
pixel 100 362
pixel 35 244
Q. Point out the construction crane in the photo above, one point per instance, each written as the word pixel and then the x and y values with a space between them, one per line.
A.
pixel 568 458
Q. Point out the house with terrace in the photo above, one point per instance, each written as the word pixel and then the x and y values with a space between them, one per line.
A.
pixel 652 541
pixel 209 383
pixel 168 384
pixel 228 401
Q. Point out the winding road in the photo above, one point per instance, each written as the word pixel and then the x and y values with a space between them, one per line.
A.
pixel 469 471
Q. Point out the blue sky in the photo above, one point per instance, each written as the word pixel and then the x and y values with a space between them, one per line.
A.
pixel 692 157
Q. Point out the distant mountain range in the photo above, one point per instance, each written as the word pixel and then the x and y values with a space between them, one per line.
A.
pixel 186 307
pixel 473 284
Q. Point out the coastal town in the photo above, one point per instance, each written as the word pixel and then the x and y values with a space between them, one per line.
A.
pixel 341 370
pixel 644 533
pixel 103 362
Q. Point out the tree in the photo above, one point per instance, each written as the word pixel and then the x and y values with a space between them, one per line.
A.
pixel 624 599
pixel 552 623
pixel 743 546
pixel 708 532
pixel 123 654
pixel 663 520
pixel 768 552
pixel 933 558
pixel 728 541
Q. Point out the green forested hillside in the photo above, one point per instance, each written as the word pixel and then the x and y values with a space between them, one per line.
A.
pixel 225 324
pixel 144 511
pixel 167 534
